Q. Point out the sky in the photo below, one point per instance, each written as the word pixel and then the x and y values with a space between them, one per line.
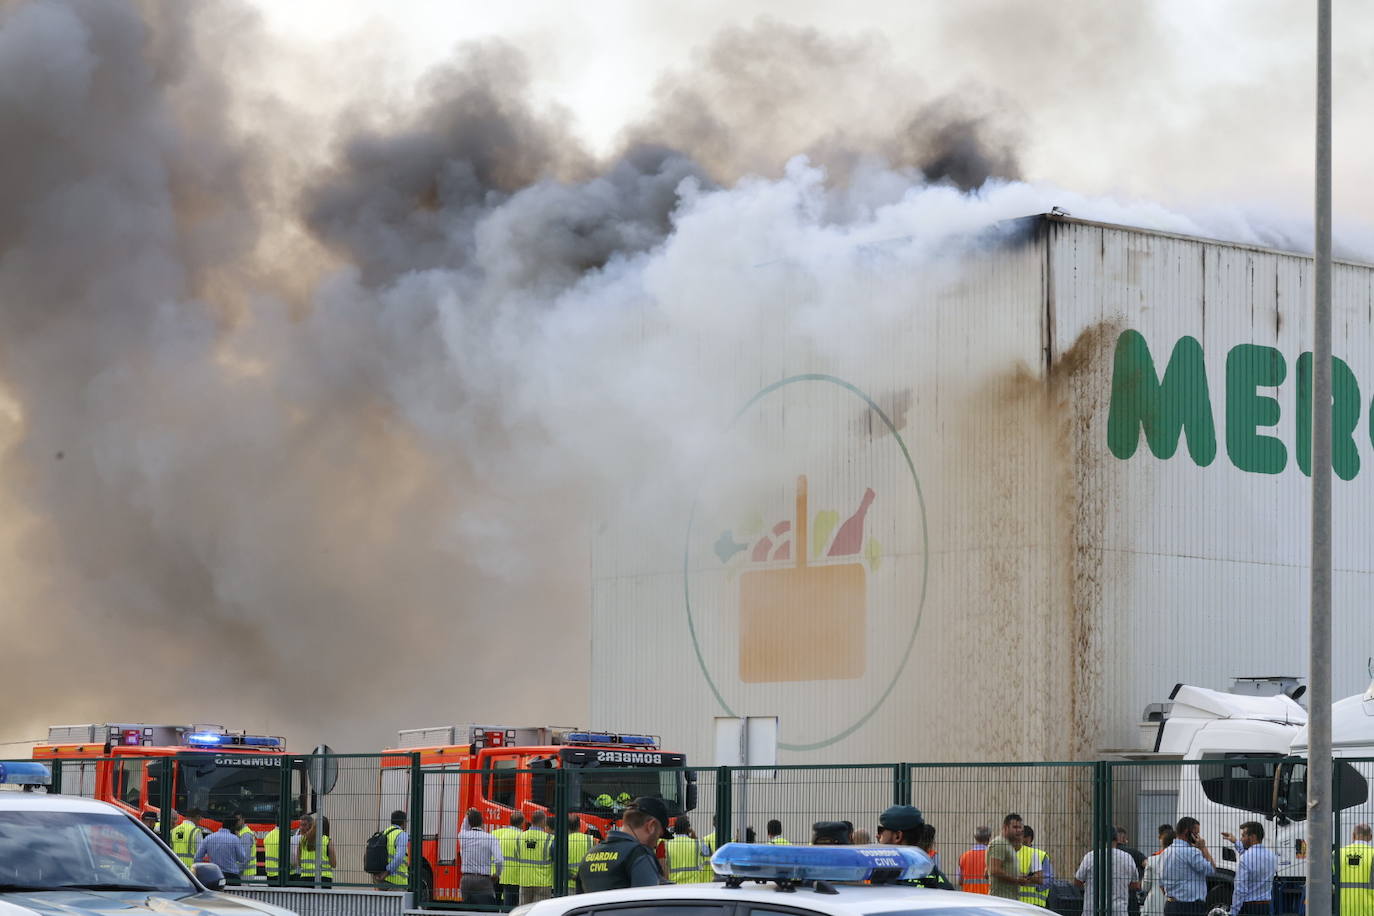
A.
pixel 1184 104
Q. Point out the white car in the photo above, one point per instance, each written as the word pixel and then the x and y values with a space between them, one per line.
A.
pixel 61 856
pixel 801 881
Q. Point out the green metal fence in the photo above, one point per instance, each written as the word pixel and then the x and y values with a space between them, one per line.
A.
pixel 1075 810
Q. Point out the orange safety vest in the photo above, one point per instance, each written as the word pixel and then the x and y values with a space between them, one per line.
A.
pixel 973 871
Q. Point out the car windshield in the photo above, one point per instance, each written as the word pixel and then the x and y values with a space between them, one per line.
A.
pixel 597 791
pixel 250 786
pixel 57 850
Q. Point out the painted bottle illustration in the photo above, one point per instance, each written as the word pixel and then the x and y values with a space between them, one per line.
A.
pixel 805 622
pixel 850 539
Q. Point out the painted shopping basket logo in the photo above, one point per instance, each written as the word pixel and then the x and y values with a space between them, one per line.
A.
pixel 805 622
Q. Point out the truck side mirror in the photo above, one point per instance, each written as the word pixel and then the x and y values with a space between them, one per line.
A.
pixel 690 802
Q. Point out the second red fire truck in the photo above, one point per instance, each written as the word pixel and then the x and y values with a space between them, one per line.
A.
pixel 500 770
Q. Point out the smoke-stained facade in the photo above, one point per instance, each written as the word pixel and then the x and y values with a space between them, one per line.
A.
pixel 1071 474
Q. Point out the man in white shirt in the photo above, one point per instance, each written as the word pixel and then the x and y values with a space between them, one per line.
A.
pixel 1124 876
pixel 481 859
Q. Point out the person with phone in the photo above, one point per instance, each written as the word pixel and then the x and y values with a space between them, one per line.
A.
pixel 1255 868
pixel 1187 866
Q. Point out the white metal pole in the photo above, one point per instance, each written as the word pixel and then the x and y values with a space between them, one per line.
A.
pixel 1320 826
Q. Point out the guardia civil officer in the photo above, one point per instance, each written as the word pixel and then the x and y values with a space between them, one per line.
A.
pixel 626 857
pixel 903 825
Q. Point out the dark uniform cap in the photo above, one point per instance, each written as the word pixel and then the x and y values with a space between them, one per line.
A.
pixel 838 833
pixel 655 808
pixel 901 817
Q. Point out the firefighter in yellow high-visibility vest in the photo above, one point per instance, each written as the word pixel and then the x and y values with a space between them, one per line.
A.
pixel 1031 860
pixel 1356 864
pixel 534 853
pixel 511 870
pixel 687 855
pixel 186 835
pixel 579 844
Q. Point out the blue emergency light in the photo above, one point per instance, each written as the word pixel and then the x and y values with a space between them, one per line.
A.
pixel 610 738
pixel 776 862
pixel 25 774
pixel 261 741
pixel 206 739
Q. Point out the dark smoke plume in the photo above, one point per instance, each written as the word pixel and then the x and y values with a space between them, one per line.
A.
pixel 759 95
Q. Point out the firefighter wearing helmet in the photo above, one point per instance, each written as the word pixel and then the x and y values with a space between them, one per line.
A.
pixel 903 825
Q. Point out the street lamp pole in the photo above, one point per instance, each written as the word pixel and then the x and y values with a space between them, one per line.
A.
pixel 1320 822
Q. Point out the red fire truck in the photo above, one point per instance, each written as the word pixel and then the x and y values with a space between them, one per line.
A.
pixel 507 769
pixel 215 770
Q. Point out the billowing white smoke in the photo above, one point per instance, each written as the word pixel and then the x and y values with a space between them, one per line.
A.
pixel 319 451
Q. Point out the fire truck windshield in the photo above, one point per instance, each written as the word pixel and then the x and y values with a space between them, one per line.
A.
pixel 248 785
pixel 600 792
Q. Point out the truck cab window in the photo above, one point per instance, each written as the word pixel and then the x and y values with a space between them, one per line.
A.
pixel 1242 781
pixel 501 787
pixel 1351 788
pixel 129 782
pixel 542 782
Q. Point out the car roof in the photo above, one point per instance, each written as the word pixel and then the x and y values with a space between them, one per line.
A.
pixel 850 899
pixel 39 801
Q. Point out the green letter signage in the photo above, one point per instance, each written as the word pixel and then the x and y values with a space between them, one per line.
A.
pixel 1178 404
pixel 1345 416
pixel 1249 366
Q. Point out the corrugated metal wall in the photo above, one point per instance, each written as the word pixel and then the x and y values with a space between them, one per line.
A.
pixel 1202 569
pixel 1014 590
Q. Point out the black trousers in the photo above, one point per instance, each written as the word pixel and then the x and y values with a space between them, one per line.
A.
pixel 1185 908
pixel 477 889
pixel 510 895
pixel 1255 908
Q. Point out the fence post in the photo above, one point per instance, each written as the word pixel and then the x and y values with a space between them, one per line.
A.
pixel 560 832
pixel 286 810
pixel 1102 871
pixel 56 783
pixel 1335 796
pixel 166 814
pixel 417 832
pixel 724 821
pixel 901 784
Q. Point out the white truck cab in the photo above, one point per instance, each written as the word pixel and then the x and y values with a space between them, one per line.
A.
pixel 1249 745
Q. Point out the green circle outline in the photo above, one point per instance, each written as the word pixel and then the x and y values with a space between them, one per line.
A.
pixel 925 557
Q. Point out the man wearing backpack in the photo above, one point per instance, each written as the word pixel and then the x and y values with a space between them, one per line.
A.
pixel 385 856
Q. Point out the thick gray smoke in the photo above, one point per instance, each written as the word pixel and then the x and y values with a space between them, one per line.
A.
pixel 306 430
pixel 758 96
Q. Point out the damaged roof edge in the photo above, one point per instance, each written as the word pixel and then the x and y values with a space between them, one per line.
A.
pixel 1059 216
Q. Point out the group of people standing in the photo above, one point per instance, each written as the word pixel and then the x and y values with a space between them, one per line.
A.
pixel 1172 882
pixel 234 847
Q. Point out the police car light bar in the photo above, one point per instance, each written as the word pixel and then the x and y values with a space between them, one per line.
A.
pixel 769 862
pixel 25 774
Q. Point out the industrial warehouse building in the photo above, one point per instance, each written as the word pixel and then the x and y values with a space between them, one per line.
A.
pixel 1074 475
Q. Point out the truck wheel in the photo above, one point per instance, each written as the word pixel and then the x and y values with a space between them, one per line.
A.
pixel 1219 895
pixel 425 892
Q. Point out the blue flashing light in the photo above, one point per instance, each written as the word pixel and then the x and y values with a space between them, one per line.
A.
pixel 25 774
pixel 207 739
pixel 261 741
pixel 770 862
pixel 609 738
